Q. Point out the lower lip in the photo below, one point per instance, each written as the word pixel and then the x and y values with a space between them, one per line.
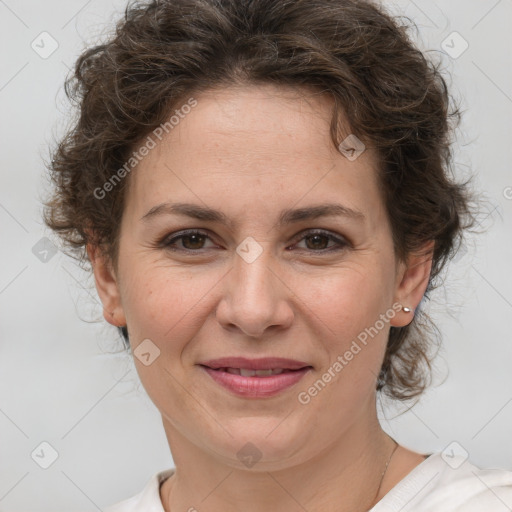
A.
pixel 256 387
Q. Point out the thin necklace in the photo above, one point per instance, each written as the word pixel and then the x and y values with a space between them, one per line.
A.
pixel 378 489
pixel 383 473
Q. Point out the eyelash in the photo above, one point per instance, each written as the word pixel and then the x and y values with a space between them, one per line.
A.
pixel 168 242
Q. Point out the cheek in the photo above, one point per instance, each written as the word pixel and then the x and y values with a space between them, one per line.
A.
pixel 346 309
pixel 162 303
pixel 347 300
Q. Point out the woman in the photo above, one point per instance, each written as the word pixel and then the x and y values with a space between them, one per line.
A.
pixel 263 191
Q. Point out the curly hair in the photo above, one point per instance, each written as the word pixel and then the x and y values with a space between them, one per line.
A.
pixel 384 88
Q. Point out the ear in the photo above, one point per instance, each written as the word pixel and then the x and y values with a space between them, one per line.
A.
pixel 412 281
pixel 107 286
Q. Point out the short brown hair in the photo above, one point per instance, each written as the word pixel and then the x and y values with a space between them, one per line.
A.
pixel 390 95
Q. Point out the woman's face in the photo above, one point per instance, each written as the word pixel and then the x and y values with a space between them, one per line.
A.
pixel 268 276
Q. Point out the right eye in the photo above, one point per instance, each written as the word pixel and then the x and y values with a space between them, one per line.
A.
pixel 191 241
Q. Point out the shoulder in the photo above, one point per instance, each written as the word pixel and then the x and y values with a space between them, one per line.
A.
pixel 148 500
pixel 450 484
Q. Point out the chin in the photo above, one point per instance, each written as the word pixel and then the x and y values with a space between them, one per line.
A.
pixel 261 443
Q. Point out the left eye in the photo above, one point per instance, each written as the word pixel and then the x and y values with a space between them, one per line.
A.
pixel 318 241
pixel 193 241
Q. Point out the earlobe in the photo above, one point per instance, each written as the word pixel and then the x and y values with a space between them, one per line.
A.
pixel 107 286
pixel 412 282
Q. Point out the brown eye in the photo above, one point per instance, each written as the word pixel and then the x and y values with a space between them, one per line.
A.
pixel 320 241
pixel 317 241
pixel 192 241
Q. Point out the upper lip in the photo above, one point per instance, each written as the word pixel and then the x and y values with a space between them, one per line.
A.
pixel 264 363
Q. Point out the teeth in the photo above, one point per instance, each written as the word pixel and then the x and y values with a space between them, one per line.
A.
pixel 252 373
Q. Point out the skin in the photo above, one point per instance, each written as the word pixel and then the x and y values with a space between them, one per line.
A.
pixel 251 152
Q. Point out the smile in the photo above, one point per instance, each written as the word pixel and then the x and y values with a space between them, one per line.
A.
pixel 250 383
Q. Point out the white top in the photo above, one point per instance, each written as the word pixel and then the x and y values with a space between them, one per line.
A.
pixel 432 486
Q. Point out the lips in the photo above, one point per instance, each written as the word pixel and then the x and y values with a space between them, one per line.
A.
pixel 255 378
pixel 246 372
pixel 264 363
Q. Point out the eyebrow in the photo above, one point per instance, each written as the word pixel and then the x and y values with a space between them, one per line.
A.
pixel 288 216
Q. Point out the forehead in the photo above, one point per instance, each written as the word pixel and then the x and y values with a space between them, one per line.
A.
pixel 258 122
pixel 256 144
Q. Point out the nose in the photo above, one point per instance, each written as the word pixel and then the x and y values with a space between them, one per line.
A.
pixel 255 298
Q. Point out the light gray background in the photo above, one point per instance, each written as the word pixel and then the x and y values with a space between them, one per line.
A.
pixel 62 377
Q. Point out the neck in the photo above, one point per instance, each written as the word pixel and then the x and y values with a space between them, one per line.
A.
pixel 343 477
